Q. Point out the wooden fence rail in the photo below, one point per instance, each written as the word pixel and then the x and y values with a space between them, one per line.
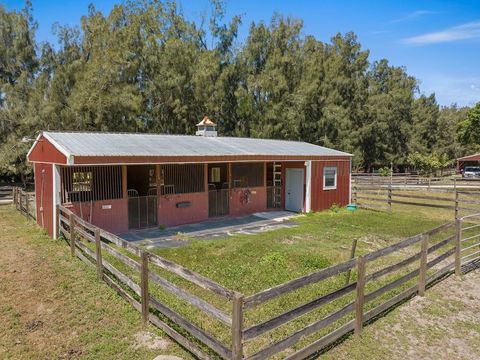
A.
pixel 6 194
pixel 24 202
pixel 378 283
pixel 357 308
pixel 82 234
pixel 461 202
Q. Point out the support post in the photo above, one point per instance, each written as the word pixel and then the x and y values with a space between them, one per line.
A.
pixel 27 202
pixel 423 266
pixel 237 327
pixel 389 200
pixel 360 296
pixel 145 297
pixel 57 214
pixel 456 204
pixel 98 253
pixel 352 255
pixel 458 247
pixel 72 235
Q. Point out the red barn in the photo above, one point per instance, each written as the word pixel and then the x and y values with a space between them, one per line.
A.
pixel 471 160
pixel 126 181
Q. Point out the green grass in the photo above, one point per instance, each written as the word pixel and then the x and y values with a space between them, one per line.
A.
pixel 251 263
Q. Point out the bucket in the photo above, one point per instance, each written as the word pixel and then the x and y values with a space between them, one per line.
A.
pixel 352 207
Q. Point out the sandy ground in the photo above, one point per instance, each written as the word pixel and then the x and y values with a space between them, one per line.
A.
pixel 443 325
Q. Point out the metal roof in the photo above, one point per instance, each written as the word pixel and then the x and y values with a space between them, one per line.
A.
pixel 135 144
pixel 475 157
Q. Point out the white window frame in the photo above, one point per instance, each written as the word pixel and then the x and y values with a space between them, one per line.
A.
pixel 325 169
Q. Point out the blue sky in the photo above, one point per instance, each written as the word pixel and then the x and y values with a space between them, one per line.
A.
pixel 437 41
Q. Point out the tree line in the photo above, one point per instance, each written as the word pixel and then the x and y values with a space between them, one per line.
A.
pixel 145 67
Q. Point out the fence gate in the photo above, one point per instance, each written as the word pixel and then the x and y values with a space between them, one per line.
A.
pixel 142 212
pixel 218 202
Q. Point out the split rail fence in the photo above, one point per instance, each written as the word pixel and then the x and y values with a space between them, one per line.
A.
pixel 461 201
pixel 6 194
pixel 407 180
pixel 24 202
pixel 245 327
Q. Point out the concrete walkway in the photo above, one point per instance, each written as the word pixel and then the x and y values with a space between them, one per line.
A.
pixel 212 229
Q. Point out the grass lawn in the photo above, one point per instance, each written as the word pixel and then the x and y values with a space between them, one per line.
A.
pixel 251 263
pixel 53 306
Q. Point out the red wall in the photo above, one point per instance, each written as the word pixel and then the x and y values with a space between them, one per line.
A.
pixel 324 199
pixel 170 215
pixel 257 203
pixel 44 195
pixel 45 152
pixel 114 220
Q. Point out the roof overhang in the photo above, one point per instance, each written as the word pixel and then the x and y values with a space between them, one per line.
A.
pixel 475 157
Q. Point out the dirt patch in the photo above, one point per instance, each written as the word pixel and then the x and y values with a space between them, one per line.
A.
pixel 33 325
pixel 145 339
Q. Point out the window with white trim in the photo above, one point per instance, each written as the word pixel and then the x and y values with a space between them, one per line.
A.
pixel 329 178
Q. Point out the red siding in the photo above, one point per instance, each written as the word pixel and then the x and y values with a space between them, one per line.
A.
pixel 114 220
pixel 170 215
pixel 257 203
pixel 324 199
pixel 45 152
pixel 44 195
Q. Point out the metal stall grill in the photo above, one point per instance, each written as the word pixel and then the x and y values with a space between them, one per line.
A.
pixel 218 201
pixel 142 211
pixel 91 183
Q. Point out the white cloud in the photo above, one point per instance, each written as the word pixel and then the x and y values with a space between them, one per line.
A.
pixel 457 33
pixel 413 15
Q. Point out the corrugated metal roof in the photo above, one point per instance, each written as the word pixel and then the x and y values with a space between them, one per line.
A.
pixel 134 144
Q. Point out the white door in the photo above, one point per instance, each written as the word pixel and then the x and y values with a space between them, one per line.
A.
pixel 294 189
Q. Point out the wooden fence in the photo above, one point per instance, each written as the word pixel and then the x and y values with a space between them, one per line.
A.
pixel 406 181
pixel 24 202
pixel 6 194
pixel 461 202
pixel 356 302
pixel 354 311
pixel 81 234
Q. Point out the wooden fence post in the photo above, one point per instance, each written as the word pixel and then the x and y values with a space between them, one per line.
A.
pixel 98 253
pixel 26 205
pixel 458 246
pixel 456 204
pixel 423 266
pixel 352 255
pixel 389 198
pixel 145 297
pixel 72 235
pixel 237 327
pixel 360 298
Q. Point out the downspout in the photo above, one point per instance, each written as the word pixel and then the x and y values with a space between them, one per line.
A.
pixel 308 187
